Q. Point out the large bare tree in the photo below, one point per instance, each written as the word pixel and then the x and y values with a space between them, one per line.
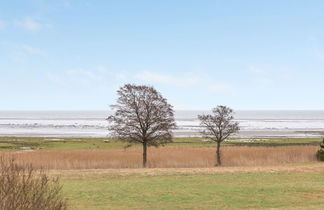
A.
pixel 142 116
pixel 218 126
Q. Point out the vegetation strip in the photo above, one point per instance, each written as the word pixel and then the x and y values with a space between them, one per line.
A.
pixel 296 168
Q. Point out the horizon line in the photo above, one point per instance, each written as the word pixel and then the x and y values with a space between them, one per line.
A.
pixel 192 110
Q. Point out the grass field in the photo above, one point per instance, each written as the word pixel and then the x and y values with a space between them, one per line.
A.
pixel 231 189
pixel 257 173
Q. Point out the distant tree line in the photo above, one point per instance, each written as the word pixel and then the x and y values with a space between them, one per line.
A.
pixel 143 116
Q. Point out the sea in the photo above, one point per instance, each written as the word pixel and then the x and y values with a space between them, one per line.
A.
pixel 253 123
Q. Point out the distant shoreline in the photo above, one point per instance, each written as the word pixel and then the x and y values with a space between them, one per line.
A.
pixel 242 134
pixel 92 124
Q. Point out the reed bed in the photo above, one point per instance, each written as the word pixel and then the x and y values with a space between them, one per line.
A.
pixel 166 157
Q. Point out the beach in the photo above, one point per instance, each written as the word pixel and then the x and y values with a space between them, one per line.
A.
pixel 253 124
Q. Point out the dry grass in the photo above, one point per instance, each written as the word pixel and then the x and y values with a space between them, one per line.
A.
pixel 167 157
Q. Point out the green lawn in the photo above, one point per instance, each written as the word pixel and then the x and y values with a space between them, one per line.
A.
pixel 218 191
pixel 18 143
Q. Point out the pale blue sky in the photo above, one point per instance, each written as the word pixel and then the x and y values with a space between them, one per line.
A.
pixel 246 54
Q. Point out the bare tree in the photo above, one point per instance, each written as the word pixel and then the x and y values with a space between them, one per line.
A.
pixel 142 116
pixel 218 127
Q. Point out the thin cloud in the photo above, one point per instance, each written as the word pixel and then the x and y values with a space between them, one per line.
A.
pixel 82 74
pixel 122 77
pixel 54 78
pixel 66 3
pixel 30 24
pixel 33 50
pixel 167 79
pixel 319 54
pixel 97 76
pixel 74 76
pixel 2 24
pixel 221 88
pixel 102 69
pixel 185 81
pixel 260 76
pixel 255 70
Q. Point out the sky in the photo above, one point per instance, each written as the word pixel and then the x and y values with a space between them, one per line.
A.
pixel 74 54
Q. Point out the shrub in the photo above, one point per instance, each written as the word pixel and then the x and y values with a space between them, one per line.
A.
pixel 22 187
pixel 320 153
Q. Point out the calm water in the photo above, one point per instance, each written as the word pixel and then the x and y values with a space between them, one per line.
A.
pixel 93 123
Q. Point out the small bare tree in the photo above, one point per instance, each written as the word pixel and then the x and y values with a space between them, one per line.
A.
pixel 218 127
pixel 142 116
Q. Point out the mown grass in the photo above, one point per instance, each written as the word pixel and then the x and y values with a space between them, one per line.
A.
pixel 212 191
pixel 25 143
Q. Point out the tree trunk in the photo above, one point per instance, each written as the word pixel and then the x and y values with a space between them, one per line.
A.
pixel 144 154
pixel 218 155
